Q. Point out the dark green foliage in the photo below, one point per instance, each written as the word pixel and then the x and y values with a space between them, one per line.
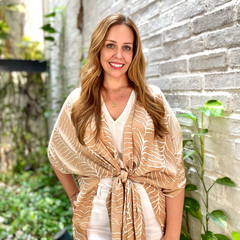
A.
pixel 36 204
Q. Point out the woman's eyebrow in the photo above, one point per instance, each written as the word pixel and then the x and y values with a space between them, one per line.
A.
pixel 116 42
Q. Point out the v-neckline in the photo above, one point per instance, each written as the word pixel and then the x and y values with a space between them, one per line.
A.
pixel 124 110
pixel 127 134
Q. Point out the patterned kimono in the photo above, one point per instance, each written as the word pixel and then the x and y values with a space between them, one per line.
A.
pixel 154 162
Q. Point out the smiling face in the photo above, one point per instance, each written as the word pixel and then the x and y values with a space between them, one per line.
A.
pixel 117 52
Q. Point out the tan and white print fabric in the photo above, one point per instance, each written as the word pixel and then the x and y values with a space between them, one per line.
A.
pixel 154 162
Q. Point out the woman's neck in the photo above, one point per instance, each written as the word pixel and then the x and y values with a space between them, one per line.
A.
pixel 115 84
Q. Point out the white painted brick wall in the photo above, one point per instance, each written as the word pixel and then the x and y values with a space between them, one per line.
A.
pixel 71 51
pixel 192 50
pixel 16 30
pixel 189 9
pixel 227 37
pixel 175 66
pixel 221 81
pixel 234 59
pixel 177 33
pixel 212 21
pixel 210 61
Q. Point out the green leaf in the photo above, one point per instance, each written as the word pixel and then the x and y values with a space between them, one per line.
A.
pixel 208 236
pixel 15 7
pixel 185 237
pixel 211 112
pixel 213 104
pixel 212 108
pixel 47 114
pixel 226 181
pixel 203 132
pixel 49 39
pixel 59 9
pixel 218 217
pixel 4 30
pixel 32 216
pixel 192 207
pixel 187 154
pixel 190 187
pixel 222 237
pixel 50 15
pixel 4 36
pixel 61 225
pixel 188 115
pixel 48 28
pixel 235 235
pixel 184 234
pixel 25 227
pixel 185 142
pixel 49 201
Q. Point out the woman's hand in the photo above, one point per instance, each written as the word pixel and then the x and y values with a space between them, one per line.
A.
pixel 70 186
pixel 73 201
pixel 74 204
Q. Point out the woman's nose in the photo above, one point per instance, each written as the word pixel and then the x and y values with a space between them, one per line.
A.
pixel 118 53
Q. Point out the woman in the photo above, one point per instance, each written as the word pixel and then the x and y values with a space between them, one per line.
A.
pixel 122 140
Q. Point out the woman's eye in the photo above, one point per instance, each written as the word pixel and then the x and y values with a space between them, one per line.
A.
pixel 110 45
pixel 127 48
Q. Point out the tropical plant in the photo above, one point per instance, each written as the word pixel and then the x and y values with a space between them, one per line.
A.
pixel 212 108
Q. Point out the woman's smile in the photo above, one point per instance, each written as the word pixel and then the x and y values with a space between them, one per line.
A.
pixel 116 66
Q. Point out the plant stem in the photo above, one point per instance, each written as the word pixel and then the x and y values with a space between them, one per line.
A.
pixel 187 222
pixel 196 125
pixel 203 227
pixel 198 154
pixel 203 200
pixel 202 147
pixel 207 210
pixel 202 173
pixel 203 183
pixel 206 191
pixel 211 186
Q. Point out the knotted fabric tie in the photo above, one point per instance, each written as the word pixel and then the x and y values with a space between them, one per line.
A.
pixel 124 209
pixel 124 175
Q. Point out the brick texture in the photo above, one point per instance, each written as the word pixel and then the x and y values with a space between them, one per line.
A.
pixel 227 37
pixel 208 62
pixel 173 67
pixel 176 33
pixel 234 59
pixel 167 4
pixel 236 103
pixel 213 20
pixel 222 81
pixel 186 83
pixel 192 45
pixel 161 21
pixel 189 9
pixel 214 3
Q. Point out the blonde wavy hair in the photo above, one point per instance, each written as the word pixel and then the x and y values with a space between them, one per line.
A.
pixel 88 106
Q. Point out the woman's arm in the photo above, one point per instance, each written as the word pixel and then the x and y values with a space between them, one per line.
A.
pixel 69 184
pixel 174 212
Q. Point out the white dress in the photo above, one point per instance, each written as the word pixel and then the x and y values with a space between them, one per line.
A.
pixel 98 227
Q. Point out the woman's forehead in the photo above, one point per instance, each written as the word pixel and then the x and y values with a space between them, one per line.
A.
pixel 120 33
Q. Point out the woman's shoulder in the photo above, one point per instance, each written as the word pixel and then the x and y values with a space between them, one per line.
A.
pixel 156 91
pixel 74 95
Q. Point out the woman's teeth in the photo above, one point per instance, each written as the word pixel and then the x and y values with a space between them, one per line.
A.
pixel 116 65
